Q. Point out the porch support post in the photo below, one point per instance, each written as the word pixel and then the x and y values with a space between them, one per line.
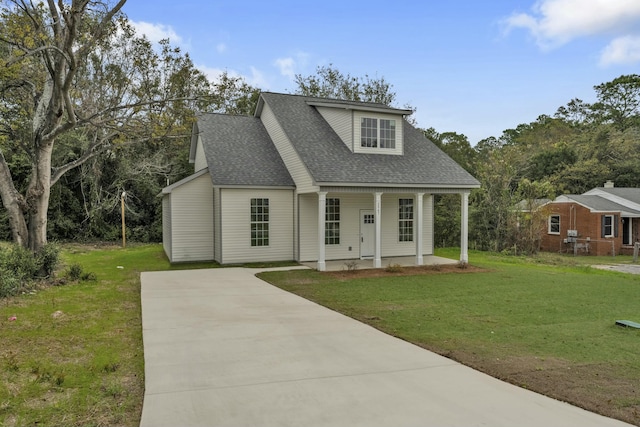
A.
pixel 377 259
pixel 464 229
pixel 418 228
pixel 322 203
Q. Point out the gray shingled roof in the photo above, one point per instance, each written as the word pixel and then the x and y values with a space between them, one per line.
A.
pixel 631 194
pixel 598 203
pixel 239 152
pixel 330 161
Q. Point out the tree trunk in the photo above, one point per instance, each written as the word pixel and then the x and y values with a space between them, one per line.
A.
pixel 38 195
pixel 14 205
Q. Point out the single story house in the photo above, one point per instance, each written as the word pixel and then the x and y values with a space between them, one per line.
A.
pixel 310 179
pixel 602 221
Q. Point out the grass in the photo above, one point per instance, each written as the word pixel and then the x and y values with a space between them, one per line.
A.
pixel 74 354
pixel 545 323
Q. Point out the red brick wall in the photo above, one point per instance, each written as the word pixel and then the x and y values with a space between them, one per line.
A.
pixel 576 217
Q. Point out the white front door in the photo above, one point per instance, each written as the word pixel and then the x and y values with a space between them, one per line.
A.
pixel 367 233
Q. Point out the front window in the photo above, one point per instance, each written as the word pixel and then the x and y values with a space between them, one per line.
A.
pixel 332 222
pixel 607 226
pixel 554 224
pixel 405 220
pixel 259 222
pixel 373 131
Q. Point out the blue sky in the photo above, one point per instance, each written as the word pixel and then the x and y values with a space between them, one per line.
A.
pixel 469 66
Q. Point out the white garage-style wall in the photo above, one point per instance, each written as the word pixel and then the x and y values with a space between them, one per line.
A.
pixel 188 219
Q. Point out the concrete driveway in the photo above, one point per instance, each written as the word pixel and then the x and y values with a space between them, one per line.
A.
pixel 223 348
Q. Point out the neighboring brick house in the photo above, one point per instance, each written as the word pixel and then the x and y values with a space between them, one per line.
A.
pixel 602 221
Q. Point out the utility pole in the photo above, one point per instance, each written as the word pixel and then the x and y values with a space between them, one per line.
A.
pixel 124 229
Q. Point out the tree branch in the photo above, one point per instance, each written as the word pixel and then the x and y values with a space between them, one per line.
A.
pixel 96 147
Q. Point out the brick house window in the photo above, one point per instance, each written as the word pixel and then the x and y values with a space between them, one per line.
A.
pixel 554 224
pixel 609 225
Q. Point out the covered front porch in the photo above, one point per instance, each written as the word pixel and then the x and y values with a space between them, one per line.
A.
pixel 362 264
pixel 372 228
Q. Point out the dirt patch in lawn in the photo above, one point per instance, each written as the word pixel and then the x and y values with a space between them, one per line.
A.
pixel 404 271
pixel 594 387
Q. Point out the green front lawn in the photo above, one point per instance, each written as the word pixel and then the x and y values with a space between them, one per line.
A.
pixel 74 354
pixel 546 323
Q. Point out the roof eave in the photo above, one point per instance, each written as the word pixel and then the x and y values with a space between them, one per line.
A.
pixel 346 106
pixel 397 185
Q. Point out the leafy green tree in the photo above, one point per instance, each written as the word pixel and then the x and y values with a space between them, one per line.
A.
pixel 329 82
pixel 492 205
pixel 550 161
pixel 78 84
pixel 619 101
pixel 576 112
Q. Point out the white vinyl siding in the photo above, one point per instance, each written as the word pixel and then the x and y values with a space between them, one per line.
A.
pixel 166 224
pixel 357 129
pixel 341 121
pixel 191 207
pixel 200 160
pixel 296 168
pixel 350 206
pixel 236 226
pixel 427 224
pixel 217 226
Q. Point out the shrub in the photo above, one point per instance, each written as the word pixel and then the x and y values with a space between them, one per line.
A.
pixel 75 273
pixel 20 268
pixel 48 259
pixel 19 262
pixel 393 268
pixel 9 284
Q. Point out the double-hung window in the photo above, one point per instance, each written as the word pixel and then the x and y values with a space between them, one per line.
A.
pixel 332 222
pixel 405 220
pixel 387 133
pixel 608 227
pixel 554 224
pixel 259 222
pixel 377 133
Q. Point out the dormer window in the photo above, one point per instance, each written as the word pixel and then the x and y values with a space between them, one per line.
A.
pixel 374 131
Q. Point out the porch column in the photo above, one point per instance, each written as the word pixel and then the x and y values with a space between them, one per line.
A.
pixel 322 203
pixel 418 228
pixel 464 229
pixel 377 259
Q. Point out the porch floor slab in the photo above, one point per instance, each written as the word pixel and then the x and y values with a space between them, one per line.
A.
pixel 405 261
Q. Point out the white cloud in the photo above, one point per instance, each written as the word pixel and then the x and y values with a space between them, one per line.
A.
pixel 256 79
pixel 157 32
pixel 221 48
pixel 623 50
pixel 290 66
pixel 286 66
pixel 556 22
